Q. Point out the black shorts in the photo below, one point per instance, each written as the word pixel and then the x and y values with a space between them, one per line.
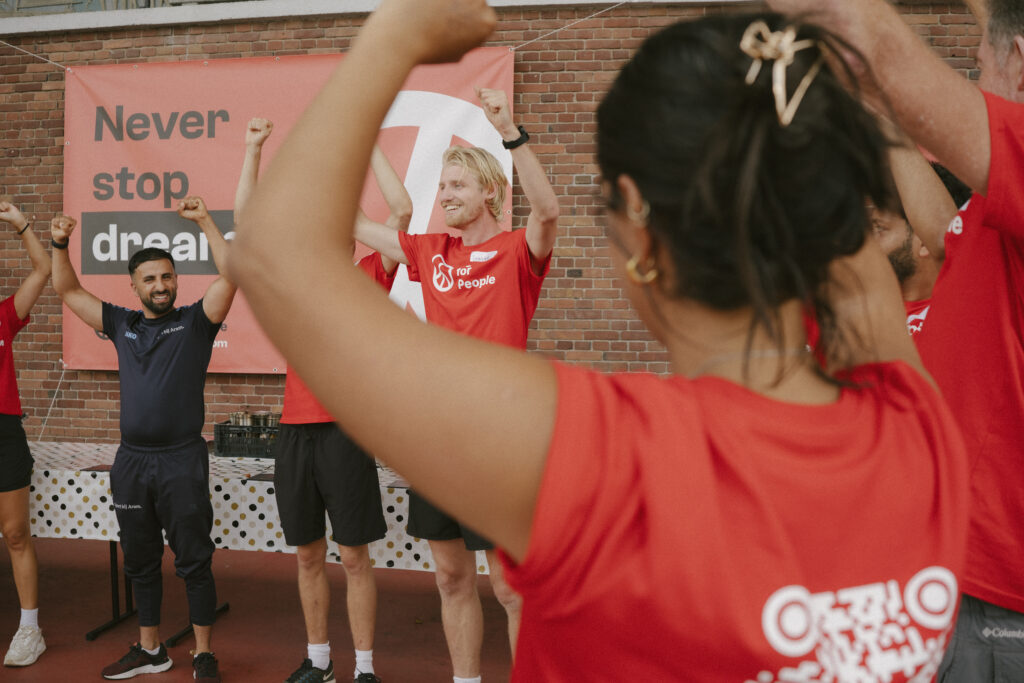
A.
pixel 15 457
pixel 426 521
pixel 318 468
pixel 987 645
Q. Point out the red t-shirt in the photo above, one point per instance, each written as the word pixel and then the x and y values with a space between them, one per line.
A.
pixel 488 291
pixel 698 531
pixel 972 346
pixel 10 325
pixel 917 311
pixel 300 406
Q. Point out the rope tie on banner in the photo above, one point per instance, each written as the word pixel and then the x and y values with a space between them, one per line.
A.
pixel 32 54
pixel 56 393
pixel 573 23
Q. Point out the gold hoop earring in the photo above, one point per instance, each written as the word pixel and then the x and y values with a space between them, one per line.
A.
pixel 638 216
pixel 634 274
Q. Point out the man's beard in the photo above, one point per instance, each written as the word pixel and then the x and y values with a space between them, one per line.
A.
pixel 902 260
pixel 161 308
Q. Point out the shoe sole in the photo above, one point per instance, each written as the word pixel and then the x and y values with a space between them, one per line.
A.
pixel 147 669
pixel 8 662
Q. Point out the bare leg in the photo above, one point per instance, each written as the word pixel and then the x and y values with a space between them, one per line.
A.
pixel 509 599
pixel 314 591
pixel 361 594
pixel 15 528
pixel 202 638
pixel 149 637
pixel 461 613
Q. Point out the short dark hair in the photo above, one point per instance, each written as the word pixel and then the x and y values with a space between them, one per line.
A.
pixel 148 254
pixel 957 188
pixel 1005 21
pixel 750 212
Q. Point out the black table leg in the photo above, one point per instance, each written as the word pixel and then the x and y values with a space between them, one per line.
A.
pixel 117 616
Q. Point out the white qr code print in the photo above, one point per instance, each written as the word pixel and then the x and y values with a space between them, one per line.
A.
pixel 875 633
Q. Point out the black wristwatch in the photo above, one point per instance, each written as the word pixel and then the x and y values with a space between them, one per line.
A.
pixel 521 140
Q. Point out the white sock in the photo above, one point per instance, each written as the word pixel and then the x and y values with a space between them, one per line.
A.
pixel 364 662
pixel 319 654
pixel 475 679
pixel 151 652
pixel 30 617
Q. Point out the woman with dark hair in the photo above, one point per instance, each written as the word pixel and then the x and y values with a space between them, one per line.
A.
pixel 755 516
pixel 15 457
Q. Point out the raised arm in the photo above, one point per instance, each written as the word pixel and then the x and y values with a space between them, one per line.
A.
pixel 869 311
pixel 256 133
pixel 395 195
pixel 221 292
pixel 926 202
pixel 81 301
pixel 542 224
pixel 979 8
pixel 32 286
pixel 382 239
pixel 938 108
pixel 486 471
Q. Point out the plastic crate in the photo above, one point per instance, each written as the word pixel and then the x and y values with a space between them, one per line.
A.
pixel 243 441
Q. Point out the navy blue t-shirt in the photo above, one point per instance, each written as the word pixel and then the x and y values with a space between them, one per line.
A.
pixel 162 364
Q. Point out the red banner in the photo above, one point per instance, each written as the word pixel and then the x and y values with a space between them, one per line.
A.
pixel 139 137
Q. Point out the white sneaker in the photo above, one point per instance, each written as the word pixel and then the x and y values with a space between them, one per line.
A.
pixel 26 646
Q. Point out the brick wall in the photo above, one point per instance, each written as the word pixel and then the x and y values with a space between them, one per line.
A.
pixel 582 316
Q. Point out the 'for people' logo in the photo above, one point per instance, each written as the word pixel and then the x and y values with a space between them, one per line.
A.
pixel 443 279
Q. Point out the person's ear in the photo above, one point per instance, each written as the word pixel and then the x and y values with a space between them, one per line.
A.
pixel 1018 58
pixel 637 211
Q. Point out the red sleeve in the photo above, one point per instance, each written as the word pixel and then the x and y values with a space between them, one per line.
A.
pixel 10 317
pixel 373 265
pixel 1004 205
pixel 410 244
pixel 526 259
pixel 589 504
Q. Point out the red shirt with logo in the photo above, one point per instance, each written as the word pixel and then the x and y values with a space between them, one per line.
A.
pixel 693 530
pixel 10 325
pixel 972 346
pixel 300 406
pixel 488 291
pixel 917 311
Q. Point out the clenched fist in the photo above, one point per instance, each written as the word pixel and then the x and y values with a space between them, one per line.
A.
pixel 258 132
pixel 61 227
pixel 193 208
pixel 435 31
pixel 10 213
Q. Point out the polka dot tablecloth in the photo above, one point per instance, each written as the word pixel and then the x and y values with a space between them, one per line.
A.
pixel 70 498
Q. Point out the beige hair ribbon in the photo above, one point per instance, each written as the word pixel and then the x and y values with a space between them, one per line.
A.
pixel 760 43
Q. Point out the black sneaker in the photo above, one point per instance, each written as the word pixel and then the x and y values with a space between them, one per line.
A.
pixel 204 668
pixel 136 662
pixel 307 673
pixel 366 678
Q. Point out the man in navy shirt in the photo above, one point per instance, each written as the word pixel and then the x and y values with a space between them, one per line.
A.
pixel 160 476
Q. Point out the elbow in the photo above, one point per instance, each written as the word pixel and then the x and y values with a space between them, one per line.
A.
pixel 403 215
pixel 247 263
pixel 548 212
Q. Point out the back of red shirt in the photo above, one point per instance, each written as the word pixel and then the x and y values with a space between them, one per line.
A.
pixel 697 531
pixel 300 406
pixel 972 345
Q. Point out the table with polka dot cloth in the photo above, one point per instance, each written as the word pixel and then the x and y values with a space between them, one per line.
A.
pixel 70 498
